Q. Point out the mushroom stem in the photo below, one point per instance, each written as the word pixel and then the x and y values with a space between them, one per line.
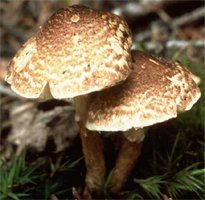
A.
pixel 131 145
pixel 94 159
pixel 92 147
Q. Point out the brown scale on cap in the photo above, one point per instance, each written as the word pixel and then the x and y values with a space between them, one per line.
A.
pixel 79 50
pixel 156 91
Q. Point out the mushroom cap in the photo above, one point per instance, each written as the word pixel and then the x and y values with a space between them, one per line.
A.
pixel 79 50
pixel 155 91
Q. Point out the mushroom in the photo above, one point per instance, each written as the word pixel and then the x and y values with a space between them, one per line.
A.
pixel 156 91
pixel 78 51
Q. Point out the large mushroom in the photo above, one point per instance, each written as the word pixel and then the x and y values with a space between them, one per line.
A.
pixel 78 51
pixel 156 91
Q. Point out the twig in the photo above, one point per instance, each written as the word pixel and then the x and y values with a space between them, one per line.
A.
pixel 189 17
pixel 134 9
pixel 180 52
pixel 183 43
pixel 153 45
pixel 23 108
pixel 184 19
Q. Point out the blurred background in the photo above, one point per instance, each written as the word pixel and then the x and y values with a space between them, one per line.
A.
pixel 40 150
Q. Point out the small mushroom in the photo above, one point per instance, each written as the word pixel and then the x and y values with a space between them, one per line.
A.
pixel 156 91
pixel 78 51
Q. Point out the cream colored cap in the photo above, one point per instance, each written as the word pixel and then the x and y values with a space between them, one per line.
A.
pixel 155 91
pixel 79 50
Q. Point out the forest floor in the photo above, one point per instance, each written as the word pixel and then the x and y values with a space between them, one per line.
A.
pixel 40 150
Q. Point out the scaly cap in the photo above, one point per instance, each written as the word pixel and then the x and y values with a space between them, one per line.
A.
pixel 79 50
pixel 156 91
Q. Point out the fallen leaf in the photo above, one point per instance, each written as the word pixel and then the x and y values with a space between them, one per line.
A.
pixel 33 127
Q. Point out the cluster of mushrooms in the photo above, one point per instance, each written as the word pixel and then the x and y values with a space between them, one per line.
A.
pixel 86 55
